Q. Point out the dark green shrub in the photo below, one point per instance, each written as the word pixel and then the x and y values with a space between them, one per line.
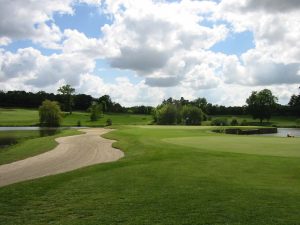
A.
pixel 234 122
pixel 244 123
pixel 219 122
pixel 96 111
pixel 78 123
pixel 108 122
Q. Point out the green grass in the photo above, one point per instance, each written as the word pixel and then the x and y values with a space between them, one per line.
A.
pixel 18 117
pixel 27 117
pixel 174 182
pixel 29 147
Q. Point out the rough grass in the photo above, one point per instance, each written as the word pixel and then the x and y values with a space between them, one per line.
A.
pixel 27 117
pixel 166 183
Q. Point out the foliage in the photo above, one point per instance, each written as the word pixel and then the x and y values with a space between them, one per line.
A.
pixel 244 123
pixel 96 111
pixel 294 103
pixel 167 114
pixel 108 122
pixel 192 115
pixel 219 122
pixel 261 104
pixel 50 114
pixel 67 92
pixel 234 122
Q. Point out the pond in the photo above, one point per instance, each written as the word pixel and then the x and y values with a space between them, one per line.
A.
pixel 13 135
pixel 283 132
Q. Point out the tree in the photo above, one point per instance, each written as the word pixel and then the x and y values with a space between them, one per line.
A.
pixel 50 114
pixel 67 92
pixel 107 103
pixel 192 115
pixel 166 114
pixel 96 111
pixel 261 104
pixel 294 103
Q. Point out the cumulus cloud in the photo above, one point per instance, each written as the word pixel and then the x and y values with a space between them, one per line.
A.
pixel 147 35
pixel 40 71
pixel 23 19
pixel 272 5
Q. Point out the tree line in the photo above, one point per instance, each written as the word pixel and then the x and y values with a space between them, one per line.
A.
pixel 68 101
pixel 261 105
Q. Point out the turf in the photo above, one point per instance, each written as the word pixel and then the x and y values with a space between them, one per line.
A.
pixel 30 147
pixel 167 183
pixel 27 117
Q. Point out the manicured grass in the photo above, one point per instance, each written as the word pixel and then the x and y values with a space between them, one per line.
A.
pixel 18 117
pixel 172 182
pixel 26 117
pixel 117 119
pixel 34 146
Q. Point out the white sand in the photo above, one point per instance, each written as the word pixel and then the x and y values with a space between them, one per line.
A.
pixel 72 152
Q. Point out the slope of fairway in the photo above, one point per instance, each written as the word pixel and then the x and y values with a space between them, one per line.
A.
pixel 162 183
pixel 274 146
pixel 30 117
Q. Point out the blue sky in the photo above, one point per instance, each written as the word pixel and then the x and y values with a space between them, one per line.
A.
pixel 141 52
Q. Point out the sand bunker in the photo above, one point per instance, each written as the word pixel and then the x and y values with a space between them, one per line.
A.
pixel 72 152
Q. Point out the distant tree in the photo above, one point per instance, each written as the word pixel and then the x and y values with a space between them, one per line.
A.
pixel 192 115
pixel 96 111
pixel 50 114
pixel 82 101
pixel 67 92
pixel 261 104
pixel 294 103
pixel 200 103
pixel 106 102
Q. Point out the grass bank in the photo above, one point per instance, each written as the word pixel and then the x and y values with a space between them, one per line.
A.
pixel 170 175
pixel 30 144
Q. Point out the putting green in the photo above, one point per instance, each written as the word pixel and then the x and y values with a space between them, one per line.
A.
pixel 274 146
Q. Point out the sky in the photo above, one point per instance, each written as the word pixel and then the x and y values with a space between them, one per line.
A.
pixel 143 51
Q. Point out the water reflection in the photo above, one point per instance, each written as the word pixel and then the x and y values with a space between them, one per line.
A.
pixel 283 132
pixel 11 136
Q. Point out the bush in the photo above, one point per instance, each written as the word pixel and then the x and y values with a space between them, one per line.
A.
pixel 167 114
pixel 108 122
pixel 244 123
pixel 219 122
pixel 50 114
pixel 234 122
pixel 78 123
pixel 96 111
pixel 192 115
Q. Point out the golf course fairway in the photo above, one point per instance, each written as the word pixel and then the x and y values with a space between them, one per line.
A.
pixel 169 175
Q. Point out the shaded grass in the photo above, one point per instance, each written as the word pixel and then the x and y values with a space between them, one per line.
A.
pixel 34 146
pixel 164 183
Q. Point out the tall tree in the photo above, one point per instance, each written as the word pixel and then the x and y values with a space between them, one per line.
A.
pixel 67 92
pixel 261 104
pixel 294 103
